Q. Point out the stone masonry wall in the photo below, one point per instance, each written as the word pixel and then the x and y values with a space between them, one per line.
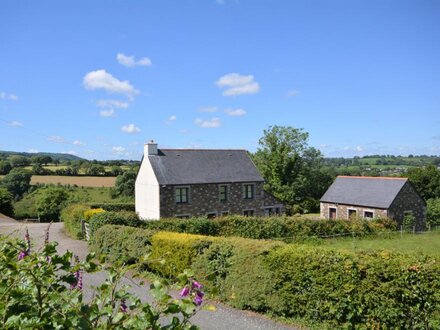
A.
pixel 409 200
pixel 205 198
pixel 342 210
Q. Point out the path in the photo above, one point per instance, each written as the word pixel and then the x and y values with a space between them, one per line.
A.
pixel 224 318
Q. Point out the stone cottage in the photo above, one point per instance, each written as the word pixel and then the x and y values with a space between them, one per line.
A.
pixel 370 197
pixel 183 183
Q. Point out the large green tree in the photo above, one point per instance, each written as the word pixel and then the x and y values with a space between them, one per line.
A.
pixel 50 203
pixel 6 200
pixel 293 170
pixel 17 181
pixel 426 180
pixel 124 185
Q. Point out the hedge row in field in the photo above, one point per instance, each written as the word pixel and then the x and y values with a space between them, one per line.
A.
pixel 270 227
pixel 373 290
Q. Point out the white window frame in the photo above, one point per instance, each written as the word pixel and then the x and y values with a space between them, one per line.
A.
pixel 351 209
pixel 367 210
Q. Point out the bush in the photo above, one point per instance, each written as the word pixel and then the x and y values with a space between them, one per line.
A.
pixel 123 218
pixel 433 212
pixel 72 216
pixel 6 200
pixel 121 243
pixel 50 203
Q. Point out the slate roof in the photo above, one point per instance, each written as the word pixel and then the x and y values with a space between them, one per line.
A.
pixel 377 192
pixel 198 166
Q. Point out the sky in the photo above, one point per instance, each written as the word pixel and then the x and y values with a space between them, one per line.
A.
pixel 98 79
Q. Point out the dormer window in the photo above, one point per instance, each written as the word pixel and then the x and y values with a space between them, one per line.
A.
pixel 182 195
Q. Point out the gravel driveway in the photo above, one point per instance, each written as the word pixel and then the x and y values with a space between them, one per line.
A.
pixel 222 319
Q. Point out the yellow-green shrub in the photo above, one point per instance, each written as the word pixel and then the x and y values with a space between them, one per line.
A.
pixel 90 213
pixel 72 216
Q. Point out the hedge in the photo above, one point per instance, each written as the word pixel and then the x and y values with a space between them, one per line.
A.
pixel 113 206
pixel 72 216
pixel 287 228
pixel 374 290
pixel 121 243
pixel 123 218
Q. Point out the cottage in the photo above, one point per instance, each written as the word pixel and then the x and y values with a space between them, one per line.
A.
pixel 370 197
pixel 199 182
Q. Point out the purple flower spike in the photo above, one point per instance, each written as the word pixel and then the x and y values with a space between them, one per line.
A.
pixel 124 307
pixel 198 300
pixel 200 294
pixel 196 285
pixel 184 292
pixel 22 254
pixel 27 238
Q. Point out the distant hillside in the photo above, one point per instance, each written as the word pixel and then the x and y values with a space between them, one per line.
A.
pixel 54 156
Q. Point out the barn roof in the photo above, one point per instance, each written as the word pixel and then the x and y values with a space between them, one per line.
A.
pixel 377 192
pixel 197 166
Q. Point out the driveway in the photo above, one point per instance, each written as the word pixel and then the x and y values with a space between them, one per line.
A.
pixel 224 318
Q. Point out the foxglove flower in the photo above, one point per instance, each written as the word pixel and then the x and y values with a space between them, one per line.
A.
pixel 196 285
pixel 22 254
pixel 123 306
pixel 184 292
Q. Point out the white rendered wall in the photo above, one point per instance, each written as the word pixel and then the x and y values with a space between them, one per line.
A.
pixel 147 192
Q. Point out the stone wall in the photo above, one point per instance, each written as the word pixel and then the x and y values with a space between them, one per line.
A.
pixel 342 211
pixel 205 199
pixel 409 200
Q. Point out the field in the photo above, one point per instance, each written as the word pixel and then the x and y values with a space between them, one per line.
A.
pixel 426 243
pixel 80 181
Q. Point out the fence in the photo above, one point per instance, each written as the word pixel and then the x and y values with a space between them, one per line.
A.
pixel 85 229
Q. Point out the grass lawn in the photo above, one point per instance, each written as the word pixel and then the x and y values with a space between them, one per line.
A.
pixel 427 243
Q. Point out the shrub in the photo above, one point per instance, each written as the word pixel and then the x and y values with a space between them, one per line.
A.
pixel 113 206
pixel 91 212
pixel 433 212
pixel 72 216
pixel 123 218
pixel 122 243
pixel 172 253
pixel 6 200
pixel 50 203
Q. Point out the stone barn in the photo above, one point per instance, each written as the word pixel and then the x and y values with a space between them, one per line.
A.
pixel 370 197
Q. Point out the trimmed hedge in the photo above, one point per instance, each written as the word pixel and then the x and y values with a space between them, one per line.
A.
pixel 374 290
pixel 121 243
pixel 72 216
pixel 270 227
pixel 123 218
pixel 114 207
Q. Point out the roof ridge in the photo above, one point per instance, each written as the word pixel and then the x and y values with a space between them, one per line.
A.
pixel 184 149
pixel 372 177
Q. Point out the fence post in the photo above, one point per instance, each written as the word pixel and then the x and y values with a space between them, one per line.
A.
pixel 414 229
pixel 401 231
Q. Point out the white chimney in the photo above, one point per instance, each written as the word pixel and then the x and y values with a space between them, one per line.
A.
pixel 150 148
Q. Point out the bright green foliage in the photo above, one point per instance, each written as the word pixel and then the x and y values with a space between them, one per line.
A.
pixel 293 170
pixel 50 203
pixel 5 167
pixel 121 243
pixel 409 222
pixel 6 200
pixel 433 212
pixel 17 181
pixel 271 227
pixel 72 216
pixel 426 180
pixel 43 290
pixel 123 218
pixel 124 185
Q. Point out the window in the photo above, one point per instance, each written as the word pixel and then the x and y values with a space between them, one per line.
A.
pixel 248 191
pixel 368 214
pixel 182 194
pixel 248 213
pixel 332 213
pixel 223 190
pixel 352 214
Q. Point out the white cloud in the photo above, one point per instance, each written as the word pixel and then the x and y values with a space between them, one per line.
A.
pixel 235 112
pixel 6 96
pixel 130 129
pixel 292 93
pixel 15 123
pixel 208 109
pixel 78 143
pixel 101 79
pixel 111 104
pixel 237 84
pixel 57 139
pixel 118 150
pixel 171 119
pixel 33 151
pixel 359 148
pixel 129 61
pixel 212 123
pixel 107 113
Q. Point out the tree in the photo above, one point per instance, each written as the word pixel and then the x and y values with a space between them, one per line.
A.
pixel 17 182
pixel 433 212
pixel 426 180
pixel 50 203
pixel 95 170
pixel 124 184
pixel 116 170
pixel 6 200
pixel 5 167
pixel 18 161
pixel 293 170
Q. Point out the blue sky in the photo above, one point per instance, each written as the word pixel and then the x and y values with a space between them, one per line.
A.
pixel 100 78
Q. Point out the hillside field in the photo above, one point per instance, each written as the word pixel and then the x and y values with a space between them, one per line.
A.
pixel 80 181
